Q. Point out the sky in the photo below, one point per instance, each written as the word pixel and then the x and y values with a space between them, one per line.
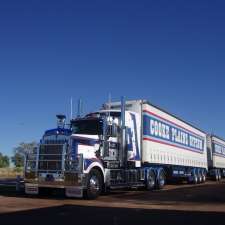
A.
pixel 171 53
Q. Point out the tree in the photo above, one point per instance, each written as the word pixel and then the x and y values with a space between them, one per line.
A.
pixel 21 151
pixel 4 161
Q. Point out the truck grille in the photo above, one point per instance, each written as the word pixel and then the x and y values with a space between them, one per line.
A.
pixel 50 157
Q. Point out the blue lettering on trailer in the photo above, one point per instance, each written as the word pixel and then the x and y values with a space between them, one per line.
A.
pixel 163 131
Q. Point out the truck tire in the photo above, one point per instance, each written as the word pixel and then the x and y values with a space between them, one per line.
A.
pixel 161 180
pixel 199 178
pixel 216 176
pixel 94 185
pixel 195 179
pixel 150 183
pixel 219 175
pixel 203 177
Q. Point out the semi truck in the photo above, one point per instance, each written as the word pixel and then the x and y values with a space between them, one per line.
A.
pixel 216 157
pixel 125 144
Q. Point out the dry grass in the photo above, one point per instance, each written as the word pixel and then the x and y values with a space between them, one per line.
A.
pixel 10 172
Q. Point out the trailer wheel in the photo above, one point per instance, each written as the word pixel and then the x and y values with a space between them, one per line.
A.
pixel 161 179
pixel 216 176
pixel 219 175
pixel 150 184
pixel 203 177
pixel 195 179
pixel 199 178
pixel 94 185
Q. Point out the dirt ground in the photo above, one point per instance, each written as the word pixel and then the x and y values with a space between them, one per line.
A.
pixel 176 204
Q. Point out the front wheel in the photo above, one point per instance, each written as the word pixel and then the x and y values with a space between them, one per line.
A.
pixel 94 185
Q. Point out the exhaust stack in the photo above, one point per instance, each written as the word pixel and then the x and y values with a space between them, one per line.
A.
pixel 123 156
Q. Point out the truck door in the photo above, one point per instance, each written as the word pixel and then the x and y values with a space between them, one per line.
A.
pixel 133 147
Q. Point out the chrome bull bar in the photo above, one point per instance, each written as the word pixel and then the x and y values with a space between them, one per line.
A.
pixel 52 165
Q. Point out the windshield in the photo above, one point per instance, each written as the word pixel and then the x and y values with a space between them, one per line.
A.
pixel 94 127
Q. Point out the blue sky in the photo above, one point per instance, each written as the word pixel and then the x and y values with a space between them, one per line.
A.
pixel 169 52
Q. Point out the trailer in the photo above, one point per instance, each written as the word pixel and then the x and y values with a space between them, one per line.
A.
pixel 124 144
pixel 216 157
pixel 170 148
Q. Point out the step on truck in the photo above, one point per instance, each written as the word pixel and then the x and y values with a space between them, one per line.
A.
pixel 122 145
pixel 216 157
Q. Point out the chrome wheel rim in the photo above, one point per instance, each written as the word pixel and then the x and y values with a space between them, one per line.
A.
pixel 204 178
pixel 162 180
pixel 151 182
pixel 94 184
pixel 196 179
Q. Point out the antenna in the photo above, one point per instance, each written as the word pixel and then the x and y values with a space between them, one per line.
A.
pixel 109 104
pixel 71 108
pixel 79 109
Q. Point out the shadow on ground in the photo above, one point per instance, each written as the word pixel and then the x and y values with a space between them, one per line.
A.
pixel 83 215
pixel 206 193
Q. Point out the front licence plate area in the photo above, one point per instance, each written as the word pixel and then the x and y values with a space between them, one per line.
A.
pixel 76 192
pixel 49 177
pixel 31 189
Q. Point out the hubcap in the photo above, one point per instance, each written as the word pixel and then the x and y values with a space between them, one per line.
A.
pixel 151 182
pixel 196 179
pixel 161 180
pixel 94 184
pixel 203 178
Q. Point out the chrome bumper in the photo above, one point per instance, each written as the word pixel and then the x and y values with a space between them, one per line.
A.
pixel 73 183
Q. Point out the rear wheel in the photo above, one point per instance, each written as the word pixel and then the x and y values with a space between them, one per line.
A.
pixel 195 178
pixel 94 185
pixel 203 177
pixel 216 175
pixel 219 175
pixel 199 177
pixel 150 184
pixel 161 179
